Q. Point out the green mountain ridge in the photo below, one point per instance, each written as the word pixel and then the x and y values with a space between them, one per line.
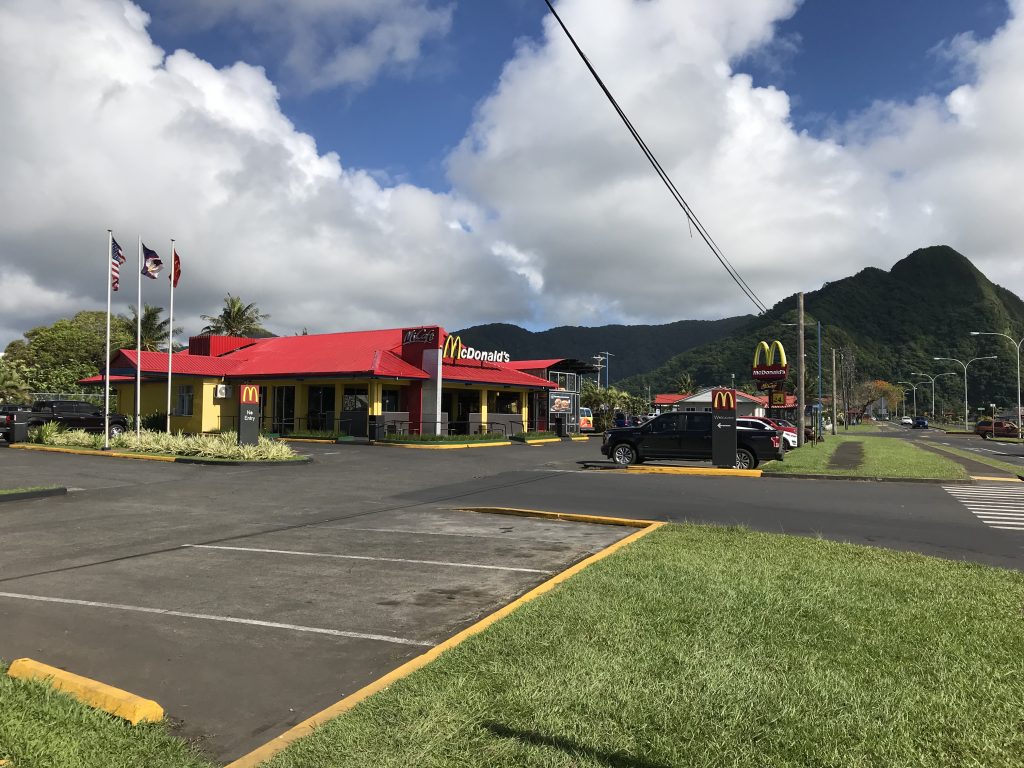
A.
pixel 635 349
pixel 892 323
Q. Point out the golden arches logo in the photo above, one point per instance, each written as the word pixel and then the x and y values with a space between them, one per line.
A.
pixel 769 353
pixel 723 400
pixel 250 395
pixel 452 347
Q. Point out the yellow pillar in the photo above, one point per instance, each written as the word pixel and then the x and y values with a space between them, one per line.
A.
pixel 375 394
pixel 483 409
pixel 524 409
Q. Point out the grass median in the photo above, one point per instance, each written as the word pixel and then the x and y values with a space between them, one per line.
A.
pixel 45 728
pixel 882 457
pixel 695 646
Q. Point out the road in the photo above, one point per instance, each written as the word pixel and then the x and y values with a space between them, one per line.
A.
pixel 245 599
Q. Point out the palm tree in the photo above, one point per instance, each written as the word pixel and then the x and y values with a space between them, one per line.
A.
pixel 236 319
pixel 154 330
pixel 684 384
pixel 12 388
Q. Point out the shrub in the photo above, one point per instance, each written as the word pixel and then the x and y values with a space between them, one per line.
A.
pixel 220 446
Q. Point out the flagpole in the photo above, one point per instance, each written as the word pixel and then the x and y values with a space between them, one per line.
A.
pixel 138 347
pixel 170 338
pixel 106 373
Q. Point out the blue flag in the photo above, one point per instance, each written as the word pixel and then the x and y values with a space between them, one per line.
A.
pixel 151 263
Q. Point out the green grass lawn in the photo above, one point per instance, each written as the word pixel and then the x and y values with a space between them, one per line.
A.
pixel 883 457
pixel 695 646
pixel 705 646
pixel 44 728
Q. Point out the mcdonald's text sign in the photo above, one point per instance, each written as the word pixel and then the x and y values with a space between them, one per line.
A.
pixel 769 362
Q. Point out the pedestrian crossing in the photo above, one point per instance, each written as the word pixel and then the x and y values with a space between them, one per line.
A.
pixel 996 506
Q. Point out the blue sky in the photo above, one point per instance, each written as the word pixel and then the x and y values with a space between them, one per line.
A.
pixel 833 58
pixel 352 164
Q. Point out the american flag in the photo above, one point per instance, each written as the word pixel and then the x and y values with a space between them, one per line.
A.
pixel 116 260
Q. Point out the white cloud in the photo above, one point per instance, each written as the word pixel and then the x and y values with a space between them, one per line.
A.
pixel 555 215
pixel 548 155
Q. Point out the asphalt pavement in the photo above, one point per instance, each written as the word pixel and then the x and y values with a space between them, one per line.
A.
pixel 244 599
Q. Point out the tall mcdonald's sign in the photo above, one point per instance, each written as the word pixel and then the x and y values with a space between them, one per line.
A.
pixel 771 369
pixel 723 427
pixel 248 414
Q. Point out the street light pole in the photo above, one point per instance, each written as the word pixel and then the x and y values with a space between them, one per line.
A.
pixel 932 380
pixel 1017 345
pixel 961 362
pixel 913 386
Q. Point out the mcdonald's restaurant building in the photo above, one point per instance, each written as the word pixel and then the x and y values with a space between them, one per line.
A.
pixel 401 380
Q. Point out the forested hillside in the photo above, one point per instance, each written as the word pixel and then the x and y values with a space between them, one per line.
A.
pixel 635 348
pixel 892 324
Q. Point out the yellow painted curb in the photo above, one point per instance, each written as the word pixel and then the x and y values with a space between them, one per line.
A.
pixel 571 517
pixel 996 479
pixel 580 439
pixel 271 748
pixel 542 440
pixel 90 452
pixel 445 446
pixel 305 440
pixel 126 705
pixel 705 471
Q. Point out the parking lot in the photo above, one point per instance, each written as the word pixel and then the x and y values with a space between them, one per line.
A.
pixel 246 601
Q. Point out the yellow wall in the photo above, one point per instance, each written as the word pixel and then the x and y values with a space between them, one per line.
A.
pixel 209 413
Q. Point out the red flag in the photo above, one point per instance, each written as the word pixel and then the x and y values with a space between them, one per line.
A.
pixel 176 270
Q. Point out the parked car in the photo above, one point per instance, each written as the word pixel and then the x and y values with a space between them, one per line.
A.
pixel 75 414
pixel 995 428
pixel 920 423
pixel 586 420
pixel 788 434
pixel 5 410
pixel 907 421
pixel 686 436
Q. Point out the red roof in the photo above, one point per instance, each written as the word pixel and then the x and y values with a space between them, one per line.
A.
pixel 369 353
pixel 101 379
pixel 668 399
pixel 492 374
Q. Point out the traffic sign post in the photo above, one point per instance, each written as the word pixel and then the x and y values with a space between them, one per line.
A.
pixel 723 428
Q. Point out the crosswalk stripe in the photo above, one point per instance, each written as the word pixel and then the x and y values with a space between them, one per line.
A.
pixel 995 506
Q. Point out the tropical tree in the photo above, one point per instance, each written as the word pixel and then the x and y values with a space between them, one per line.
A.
pixel 154 334
pixel 13 389
pixel 684 383
pixel 236 319
pixel 52 358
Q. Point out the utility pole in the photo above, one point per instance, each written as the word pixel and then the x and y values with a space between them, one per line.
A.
pixel 801 418
pixel 834 390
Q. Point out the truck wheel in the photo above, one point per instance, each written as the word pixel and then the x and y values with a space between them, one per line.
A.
pixel 745 459
pixel 624 454
pixel 984 435
pixel 116 429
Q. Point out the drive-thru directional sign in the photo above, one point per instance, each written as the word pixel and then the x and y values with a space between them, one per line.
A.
pixel 723 428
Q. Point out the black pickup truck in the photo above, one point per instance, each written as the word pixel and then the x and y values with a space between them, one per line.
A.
pixel 686 436
pixel 74 414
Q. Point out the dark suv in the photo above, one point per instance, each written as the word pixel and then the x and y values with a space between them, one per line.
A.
pixel 75 414
pixel 686 436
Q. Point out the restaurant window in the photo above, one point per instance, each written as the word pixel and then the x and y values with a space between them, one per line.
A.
pixel 565 381
pixel 506 402
pixel 185 395
pixel 389 400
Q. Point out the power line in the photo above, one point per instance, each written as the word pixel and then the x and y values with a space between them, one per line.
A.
pixel 662 174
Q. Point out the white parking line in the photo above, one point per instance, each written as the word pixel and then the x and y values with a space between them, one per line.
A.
pixel 366 557
pixel 228 619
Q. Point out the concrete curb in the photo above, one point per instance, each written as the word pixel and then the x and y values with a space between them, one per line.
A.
pixel 271 748
pixel 805 476
pixel 156 457
pixel 443 446
pixel 37 494
pixel 539 441
pixel 123 704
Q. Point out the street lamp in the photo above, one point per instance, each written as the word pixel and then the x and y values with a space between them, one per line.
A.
pixel 973 359
pixel 1017 345
pixel 932 380
pixel 913 386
